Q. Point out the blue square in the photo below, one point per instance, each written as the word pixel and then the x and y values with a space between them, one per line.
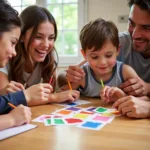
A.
pixel 90 124
pixel 72 104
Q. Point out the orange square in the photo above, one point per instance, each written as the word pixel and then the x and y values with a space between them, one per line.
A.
pixel 64 112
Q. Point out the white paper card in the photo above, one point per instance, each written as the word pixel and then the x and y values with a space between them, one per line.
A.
pixel 15 130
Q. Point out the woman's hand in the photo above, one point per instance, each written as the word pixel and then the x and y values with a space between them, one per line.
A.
pixel 38 94
pixel 70 95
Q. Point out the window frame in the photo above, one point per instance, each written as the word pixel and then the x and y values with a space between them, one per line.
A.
pixel 82 19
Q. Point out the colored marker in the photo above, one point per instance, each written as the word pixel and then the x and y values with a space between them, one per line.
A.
pixel 10 104
pixel 102 84
pixel 69 85
pixel 51 79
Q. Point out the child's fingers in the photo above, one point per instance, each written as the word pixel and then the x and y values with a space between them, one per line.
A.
pixel 107 91
pixel 75 94
pixel 20 86
pixel 16 86
pixel 103 91
pixel 104 99
pixel 120 93
pixel 112 92
pixel 10 90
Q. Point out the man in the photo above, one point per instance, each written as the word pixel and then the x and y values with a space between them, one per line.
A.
pixel 135 51
pixel 135 45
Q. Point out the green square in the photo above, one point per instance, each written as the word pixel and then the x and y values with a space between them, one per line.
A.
pixel 100 109
pixel 58 121
pixel 48 121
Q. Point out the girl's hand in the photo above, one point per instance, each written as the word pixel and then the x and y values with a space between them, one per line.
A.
pixel 20 115
pixel 70 95
pixel 38 94
pixel 111 94
pixel 14 87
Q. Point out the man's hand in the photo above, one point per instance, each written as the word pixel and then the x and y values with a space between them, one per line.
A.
pixel 134 107
pixel 74 74
pixel 135 87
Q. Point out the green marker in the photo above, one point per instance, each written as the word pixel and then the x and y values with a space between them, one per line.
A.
pixel 102 84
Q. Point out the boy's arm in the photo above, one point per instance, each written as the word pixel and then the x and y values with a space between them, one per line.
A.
pixel 133 84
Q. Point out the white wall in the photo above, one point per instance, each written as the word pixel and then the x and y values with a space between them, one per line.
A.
pixel 109 10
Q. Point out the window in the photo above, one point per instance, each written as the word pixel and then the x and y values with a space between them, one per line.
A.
pixel 70 17
pixel 19 5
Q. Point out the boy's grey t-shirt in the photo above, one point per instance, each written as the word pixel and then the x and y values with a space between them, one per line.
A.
pixel 93 86
pixel 130 57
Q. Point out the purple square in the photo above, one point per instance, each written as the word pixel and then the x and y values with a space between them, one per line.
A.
pixel 91 109
pixel 73 108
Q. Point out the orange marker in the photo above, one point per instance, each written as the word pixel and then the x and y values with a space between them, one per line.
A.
pixel 10 104
pixel 69 85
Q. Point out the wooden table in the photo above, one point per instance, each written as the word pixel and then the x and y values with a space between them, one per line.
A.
pixel 122 134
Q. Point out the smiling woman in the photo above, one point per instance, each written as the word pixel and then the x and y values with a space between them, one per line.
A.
pixel 35 50
pixel 35 61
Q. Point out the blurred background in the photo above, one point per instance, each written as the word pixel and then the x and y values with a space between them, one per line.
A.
pixel 71 15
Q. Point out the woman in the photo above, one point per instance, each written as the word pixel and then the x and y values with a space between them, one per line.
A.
pixel 35 59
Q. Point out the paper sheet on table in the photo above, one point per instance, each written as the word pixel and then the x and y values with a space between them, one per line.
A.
pixel 15 130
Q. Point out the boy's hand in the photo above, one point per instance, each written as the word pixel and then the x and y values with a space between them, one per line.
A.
pixel 111 94
pixel 135 86
pixel 74 74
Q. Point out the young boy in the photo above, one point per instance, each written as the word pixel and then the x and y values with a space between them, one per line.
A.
pixel 100 47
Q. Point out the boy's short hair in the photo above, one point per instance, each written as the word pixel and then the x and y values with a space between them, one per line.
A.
pixel 97 32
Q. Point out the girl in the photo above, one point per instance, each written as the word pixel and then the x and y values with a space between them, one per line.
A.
pixel 9 36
